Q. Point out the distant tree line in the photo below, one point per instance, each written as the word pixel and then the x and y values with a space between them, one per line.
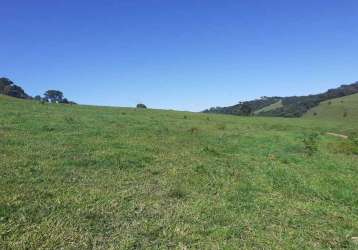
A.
pixel 293 106
pixel 7 87
pixel 245 108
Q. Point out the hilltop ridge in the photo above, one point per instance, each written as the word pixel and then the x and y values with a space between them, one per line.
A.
pixel 292 106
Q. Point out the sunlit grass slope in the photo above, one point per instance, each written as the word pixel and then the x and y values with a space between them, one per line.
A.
pixel 81 177
pixel 273 106
pixel 344 108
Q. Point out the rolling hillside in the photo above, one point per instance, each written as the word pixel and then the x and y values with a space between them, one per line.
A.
pixel 344 108
pixel 291 106
pixel 273 106
pixel 84 177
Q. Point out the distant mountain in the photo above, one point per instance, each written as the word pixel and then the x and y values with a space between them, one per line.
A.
pixel 293 106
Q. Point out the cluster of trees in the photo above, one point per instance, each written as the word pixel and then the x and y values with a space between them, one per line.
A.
pixel 7 87
pixel 53 96
pixel 293 106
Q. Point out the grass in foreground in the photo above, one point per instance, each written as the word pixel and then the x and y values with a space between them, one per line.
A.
pixel 91 177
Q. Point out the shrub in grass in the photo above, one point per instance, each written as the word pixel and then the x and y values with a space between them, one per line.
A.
pixel 344 147
pixel 46 128
pixel 210 150
pixel 354 141
pixel 177 191
pixel 221 126
pixel 310 142
pixel 69 119
pixel 193 130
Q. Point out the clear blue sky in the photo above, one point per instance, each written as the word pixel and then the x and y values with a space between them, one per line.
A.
pixel 178 54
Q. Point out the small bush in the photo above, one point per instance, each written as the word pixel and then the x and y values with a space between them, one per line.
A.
pixel 210 150
pixel 69 119
pixel 354 139
pixel 47 128
pixel 221 126
pixel 185 117
pixel 354 142
pixel 177 191
pixel 193 130
pixel 345 114
pixel 310 142
pixel 344 147
pixel 314 113
pixel 141 106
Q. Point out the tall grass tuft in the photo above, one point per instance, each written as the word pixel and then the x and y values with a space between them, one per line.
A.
pixel 310 142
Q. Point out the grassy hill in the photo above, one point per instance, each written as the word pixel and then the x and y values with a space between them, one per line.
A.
pixel 344 108
pixel 84 177
pixel 273 106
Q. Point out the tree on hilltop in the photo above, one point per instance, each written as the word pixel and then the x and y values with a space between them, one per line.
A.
pixel 54 96
pixel 4 82
pixel 38 98
pixel 7 87
pixel 141 106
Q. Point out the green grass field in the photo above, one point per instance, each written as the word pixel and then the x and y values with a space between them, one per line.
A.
pixel 85 177
pixel 344 108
